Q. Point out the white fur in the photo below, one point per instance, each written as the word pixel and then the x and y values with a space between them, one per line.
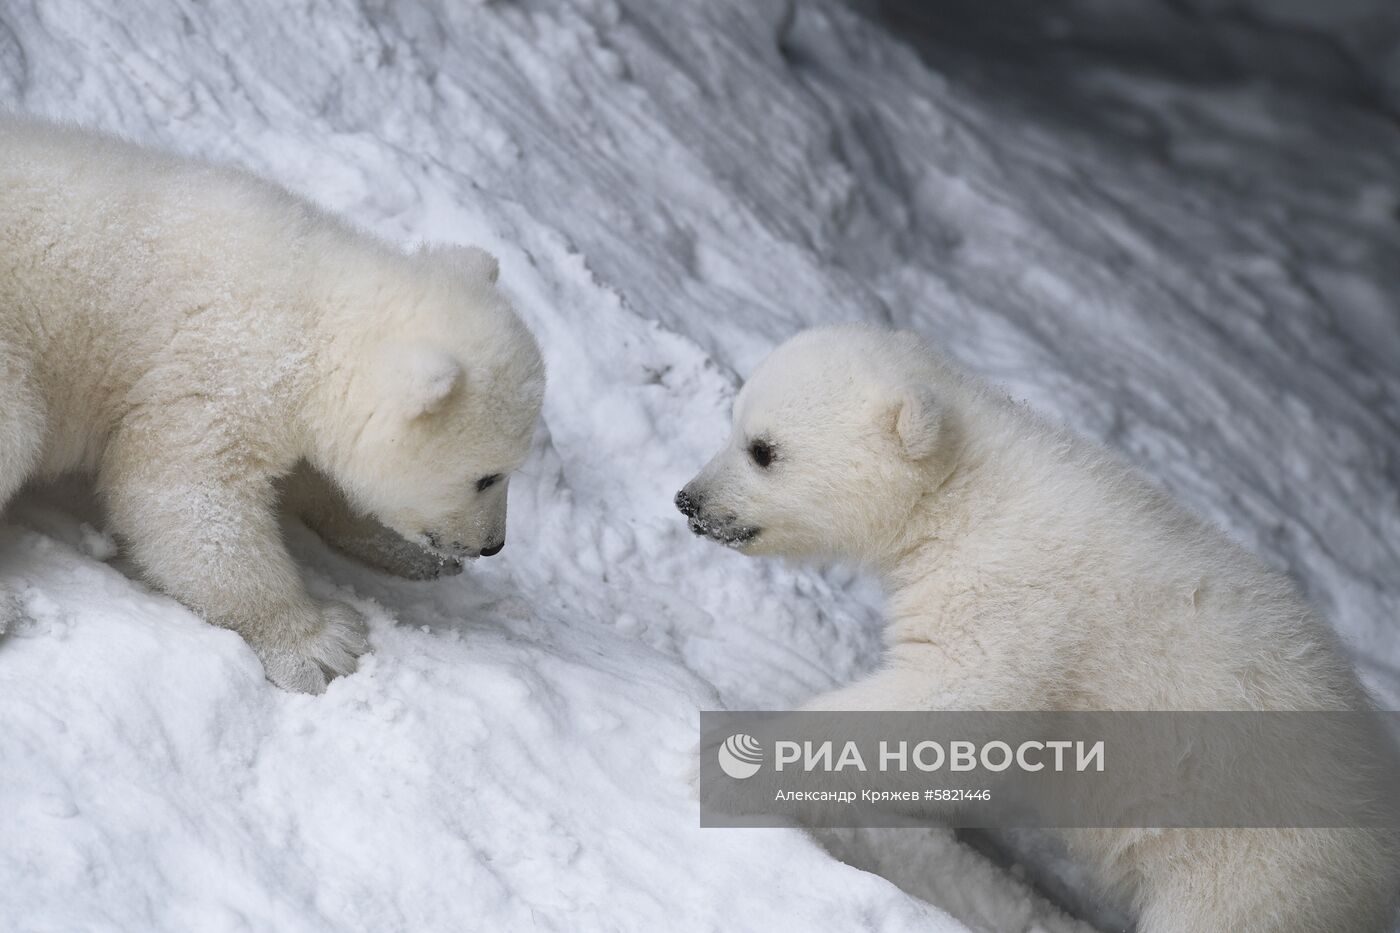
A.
pixel 1028 569
pixel 190 333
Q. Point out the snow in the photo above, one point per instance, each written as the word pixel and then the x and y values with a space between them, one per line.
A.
pixel 1203 276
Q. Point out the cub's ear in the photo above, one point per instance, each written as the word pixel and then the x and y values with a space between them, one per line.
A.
pixel 479 264
pixel 918 422
pixel 416 377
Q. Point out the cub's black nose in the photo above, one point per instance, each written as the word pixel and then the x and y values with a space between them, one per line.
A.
pixel 688 505
pixel 494 549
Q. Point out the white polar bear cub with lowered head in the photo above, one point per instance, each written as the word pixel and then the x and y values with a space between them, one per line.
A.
pixel 191 335
pixel 1027 569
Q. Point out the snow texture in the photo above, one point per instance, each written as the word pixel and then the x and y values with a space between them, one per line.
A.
pixel 1204 276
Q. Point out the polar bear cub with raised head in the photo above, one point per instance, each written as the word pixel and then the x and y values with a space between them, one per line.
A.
pixel 191 335
pixel 1027 569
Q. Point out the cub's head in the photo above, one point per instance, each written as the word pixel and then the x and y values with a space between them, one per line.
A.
pixel 836 437
pixel 441 406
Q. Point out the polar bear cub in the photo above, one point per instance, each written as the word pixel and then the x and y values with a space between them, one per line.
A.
pixel 191 335
pixel 1027 569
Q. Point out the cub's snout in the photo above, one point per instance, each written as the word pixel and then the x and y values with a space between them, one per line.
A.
pixel 688 504
pixel 706 523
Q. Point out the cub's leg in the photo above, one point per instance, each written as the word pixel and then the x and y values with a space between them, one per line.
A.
pixel 201 522
pixel 22 426
pixel 1267 881
pixel 313 498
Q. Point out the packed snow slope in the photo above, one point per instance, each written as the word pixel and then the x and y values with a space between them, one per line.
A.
pixel 1205 277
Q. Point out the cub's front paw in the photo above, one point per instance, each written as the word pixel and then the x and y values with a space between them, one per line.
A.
pixel 312 651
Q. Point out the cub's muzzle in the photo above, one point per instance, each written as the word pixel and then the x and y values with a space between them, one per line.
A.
pixel 688 504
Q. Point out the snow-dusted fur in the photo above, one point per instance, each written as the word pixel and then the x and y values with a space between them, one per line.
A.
pixel 1029 569
pixel 189 334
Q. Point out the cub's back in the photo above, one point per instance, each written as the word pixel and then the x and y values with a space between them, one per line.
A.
pixel 1172 613
pixel 117 261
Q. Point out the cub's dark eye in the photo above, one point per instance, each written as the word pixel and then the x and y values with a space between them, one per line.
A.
pixel 761 452
pixel 486 482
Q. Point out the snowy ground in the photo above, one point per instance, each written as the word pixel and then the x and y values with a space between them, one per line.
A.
pixel 1204 277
